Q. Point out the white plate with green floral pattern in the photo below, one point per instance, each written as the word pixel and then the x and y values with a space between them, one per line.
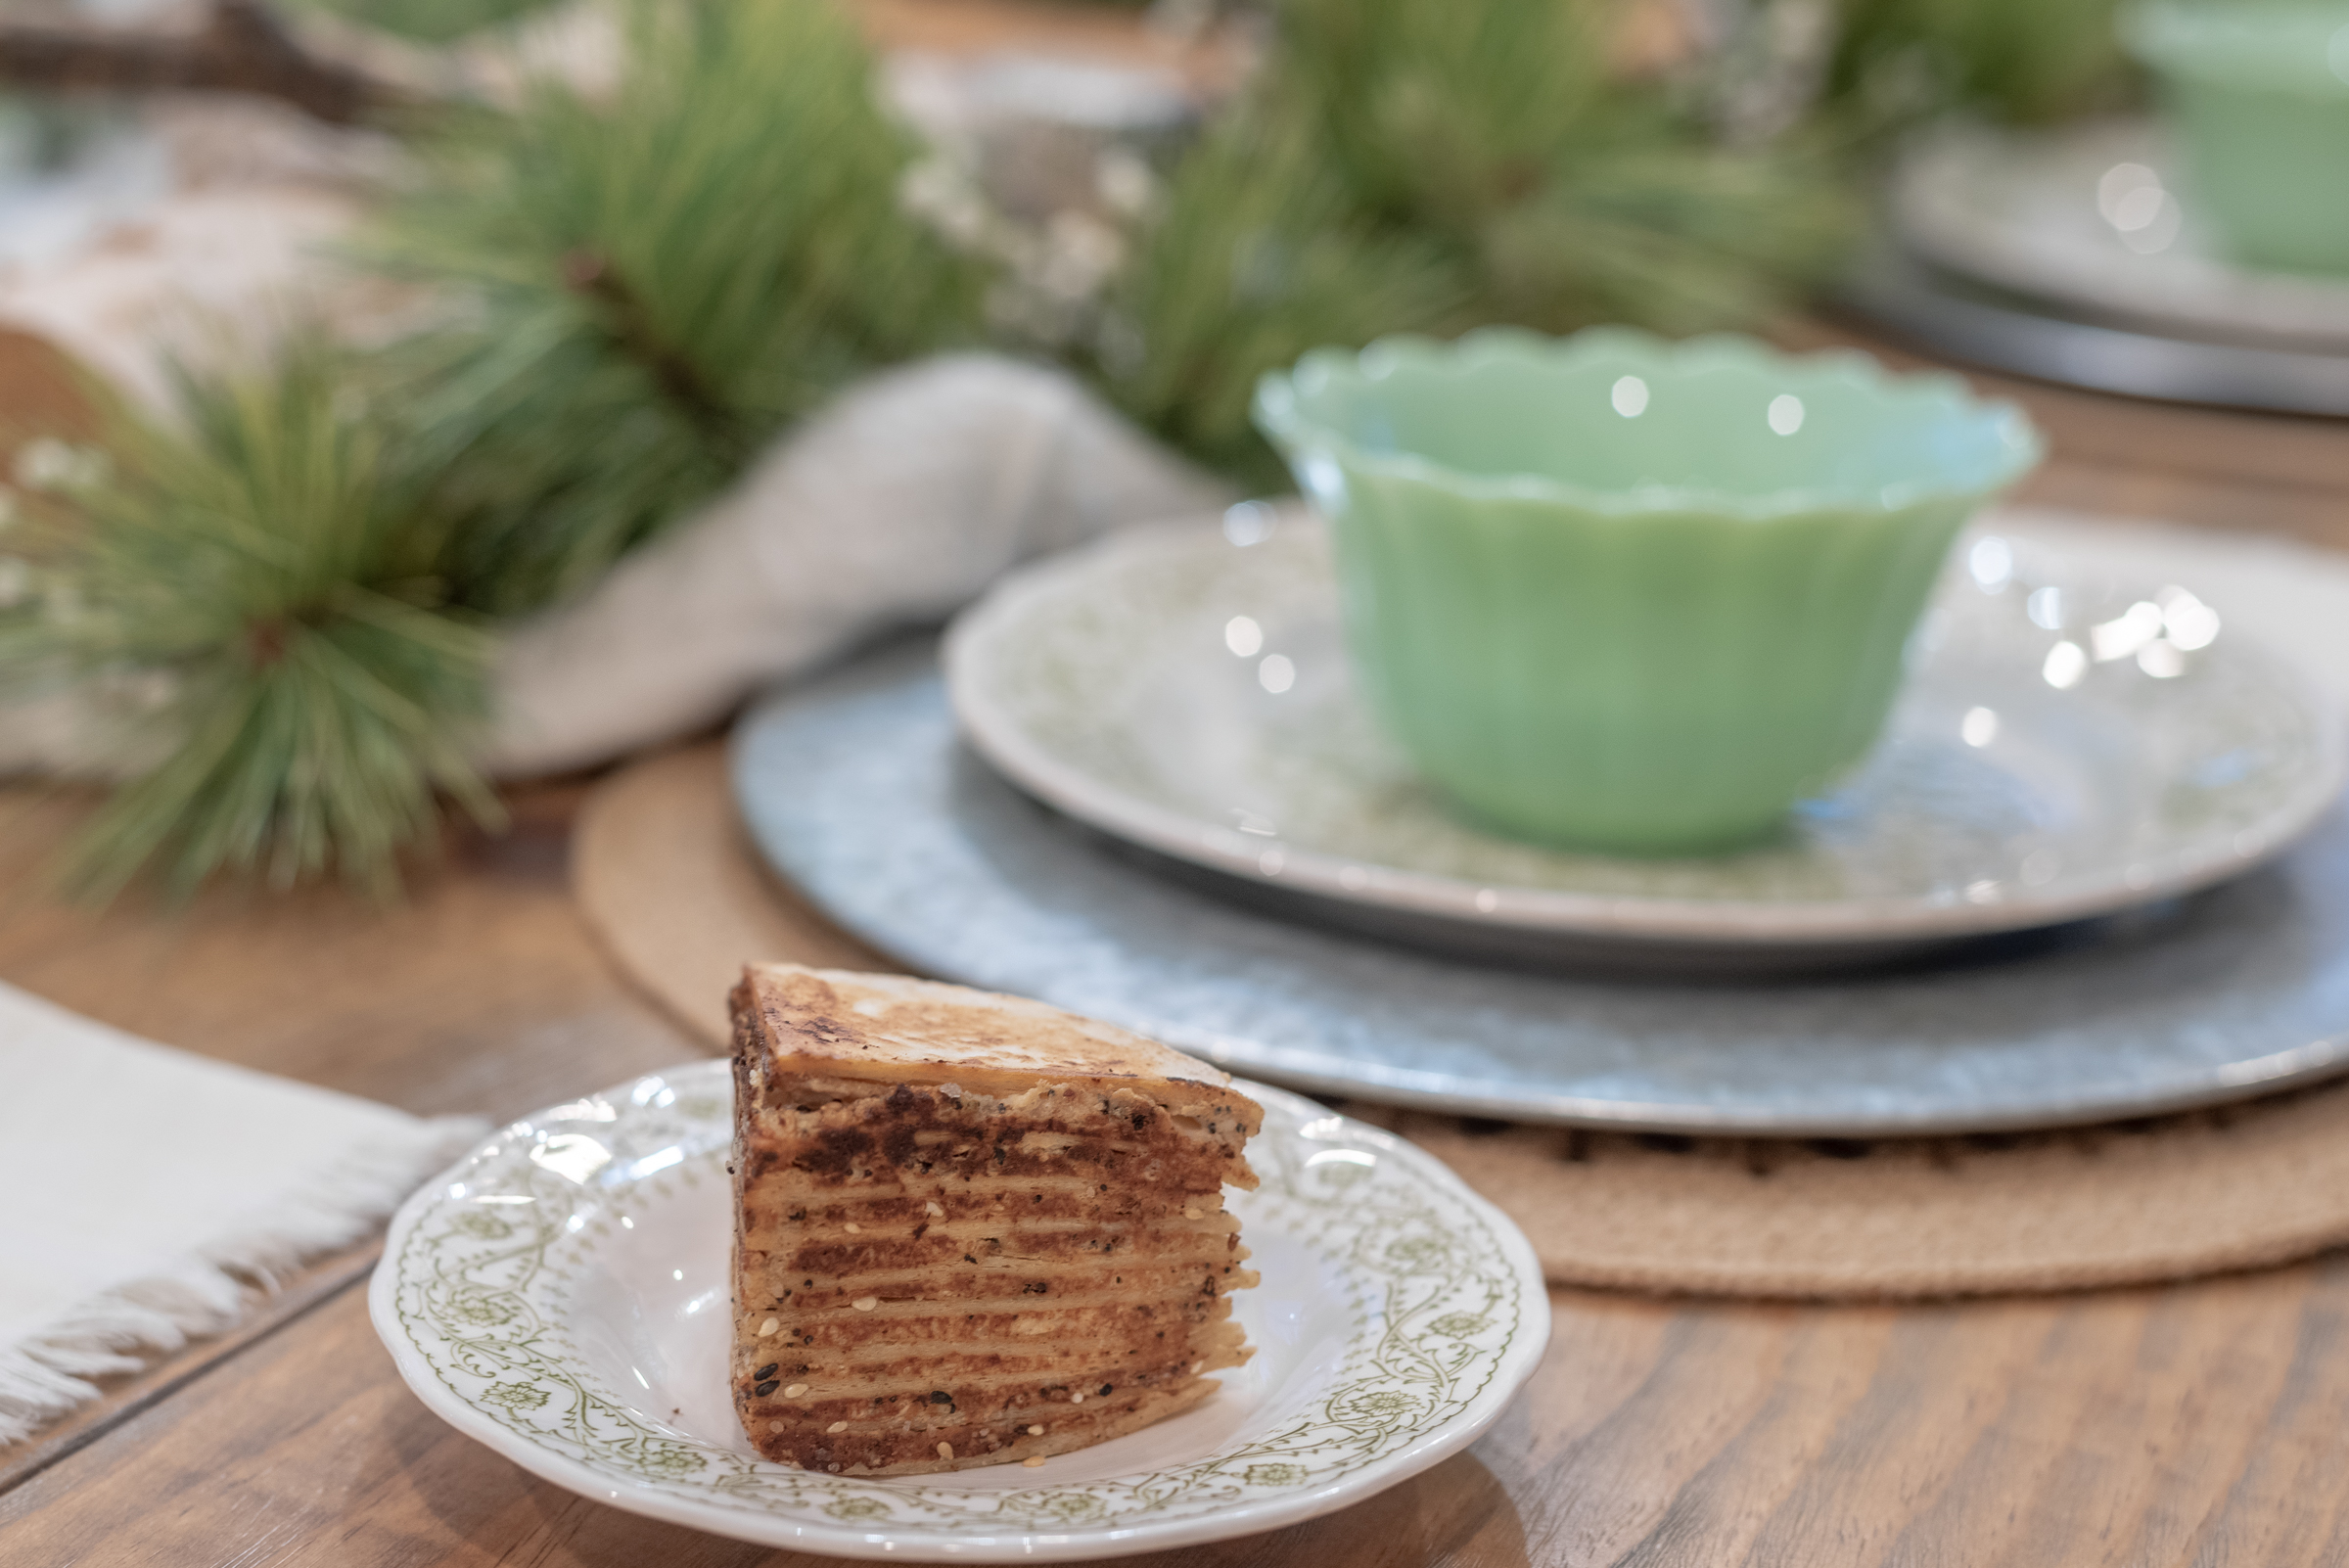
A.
pixel 561 1295
pixel 2068 744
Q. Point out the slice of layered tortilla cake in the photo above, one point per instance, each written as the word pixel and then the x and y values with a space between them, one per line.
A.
pixel 970 1228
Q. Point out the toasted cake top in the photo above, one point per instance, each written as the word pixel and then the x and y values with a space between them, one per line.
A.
pixel 891 1028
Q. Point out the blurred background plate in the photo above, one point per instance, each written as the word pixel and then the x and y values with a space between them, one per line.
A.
pixel 2057 754
pixel 1979 324
pixel 2087 219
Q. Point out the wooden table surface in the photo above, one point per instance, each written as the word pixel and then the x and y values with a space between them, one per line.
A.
pixel 2201 1423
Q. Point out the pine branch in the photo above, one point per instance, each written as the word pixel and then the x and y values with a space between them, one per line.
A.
pixel 255 592
pixel 631 326
pixel 1896 62
pixel 1255 259
pixel 657 282
pixel 1438 164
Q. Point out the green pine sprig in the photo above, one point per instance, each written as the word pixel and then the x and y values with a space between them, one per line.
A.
pixel 654 282
pixel 249 597
pixel 1257 257
pixel 1435 165
pixel 1896 62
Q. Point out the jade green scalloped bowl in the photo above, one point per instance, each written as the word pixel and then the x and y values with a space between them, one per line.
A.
pixel 1613 592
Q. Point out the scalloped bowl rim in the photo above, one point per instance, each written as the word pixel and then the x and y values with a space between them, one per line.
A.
pixel 1278 409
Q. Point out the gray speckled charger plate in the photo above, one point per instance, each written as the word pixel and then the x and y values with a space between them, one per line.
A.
pixel 856 787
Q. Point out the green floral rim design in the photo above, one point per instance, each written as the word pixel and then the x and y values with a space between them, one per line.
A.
pixel 1446 1316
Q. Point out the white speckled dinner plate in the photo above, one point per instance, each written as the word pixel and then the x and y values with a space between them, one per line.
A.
pixel 561 1295
pixel 2065 747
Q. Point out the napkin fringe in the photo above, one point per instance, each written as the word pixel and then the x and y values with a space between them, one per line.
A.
pixel 50 1371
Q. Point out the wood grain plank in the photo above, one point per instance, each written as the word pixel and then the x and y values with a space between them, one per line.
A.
pixel 2206 1422
pixel 125 1396
pixel 481 992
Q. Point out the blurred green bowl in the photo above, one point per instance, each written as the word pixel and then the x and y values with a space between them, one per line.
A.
pixel 2258 96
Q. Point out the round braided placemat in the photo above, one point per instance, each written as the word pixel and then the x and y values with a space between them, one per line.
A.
pixel 667 879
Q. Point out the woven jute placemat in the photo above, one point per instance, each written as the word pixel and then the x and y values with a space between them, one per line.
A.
pixel 670 880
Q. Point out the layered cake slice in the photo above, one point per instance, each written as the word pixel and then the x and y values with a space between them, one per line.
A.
pixel 970 1229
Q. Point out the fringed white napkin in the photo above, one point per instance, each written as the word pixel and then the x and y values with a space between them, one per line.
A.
pixel 143 1189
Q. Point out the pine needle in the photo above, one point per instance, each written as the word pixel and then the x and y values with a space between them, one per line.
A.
pixel 2027 61
pixel 658 281
pixel 1438 165
pixel 1257 258
pixel 252 595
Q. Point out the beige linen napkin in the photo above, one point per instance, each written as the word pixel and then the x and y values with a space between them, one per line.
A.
pixel 143 1189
